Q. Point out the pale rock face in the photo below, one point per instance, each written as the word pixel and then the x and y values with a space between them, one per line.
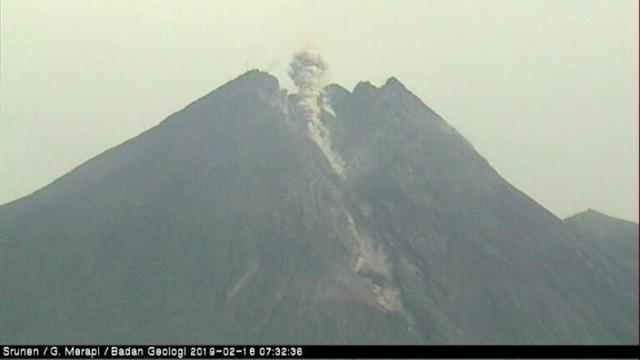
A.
pixel 321 136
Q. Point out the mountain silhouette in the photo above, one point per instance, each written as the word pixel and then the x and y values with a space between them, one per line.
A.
pixel 232 222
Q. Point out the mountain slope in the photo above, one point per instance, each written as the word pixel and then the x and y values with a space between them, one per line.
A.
pixel 483 255
pixel 209 218
pixel 232 222
pixel 615 242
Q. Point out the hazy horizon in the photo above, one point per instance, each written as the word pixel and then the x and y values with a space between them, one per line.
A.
pixel 554 111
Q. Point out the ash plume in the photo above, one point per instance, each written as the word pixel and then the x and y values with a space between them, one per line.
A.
pixel 307 71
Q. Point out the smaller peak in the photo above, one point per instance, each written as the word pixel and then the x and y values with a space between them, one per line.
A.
pixel 595 216
pixel 593 212
pixel 257 76
pixel 253 81
pixel 336 91
pixel 365 86
pixel 393 82
pixel 588 214
pixel 336 88
pixel 393 85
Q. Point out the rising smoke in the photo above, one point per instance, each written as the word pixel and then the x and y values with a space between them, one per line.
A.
pixel 307 70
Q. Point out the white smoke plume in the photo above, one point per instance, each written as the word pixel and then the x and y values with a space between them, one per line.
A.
pixel 307 70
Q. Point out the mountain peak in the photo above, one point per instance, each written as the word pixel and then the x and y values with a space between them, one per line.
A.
pixel 393 83
pixel 256 75
pixel 365 86
pixel 593 215
pixel 238 223
pixel 336 88
pixel 590 213
pixel 253 80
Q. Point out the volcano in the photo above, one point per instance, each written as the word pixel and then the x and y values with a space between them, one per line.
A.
pixel 236 221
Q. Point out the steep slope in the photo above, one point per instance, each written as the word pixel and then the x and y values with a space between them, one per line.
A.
pixel 217 225
pixel 477 260
pixel 234 220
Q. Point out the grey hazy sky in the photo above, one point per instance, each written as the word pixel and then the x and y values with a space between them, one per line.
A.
pixel 547 91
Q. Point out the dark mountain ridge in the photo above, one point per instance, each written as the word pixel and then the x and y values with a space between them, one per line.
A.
pixel 230 222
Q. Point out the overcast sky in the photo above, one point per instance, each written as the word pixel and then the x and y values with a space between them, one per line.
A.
pixel 547 91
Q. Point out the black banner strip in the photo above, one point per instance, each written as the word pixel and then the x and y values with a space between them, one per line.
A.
pixel 315 352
